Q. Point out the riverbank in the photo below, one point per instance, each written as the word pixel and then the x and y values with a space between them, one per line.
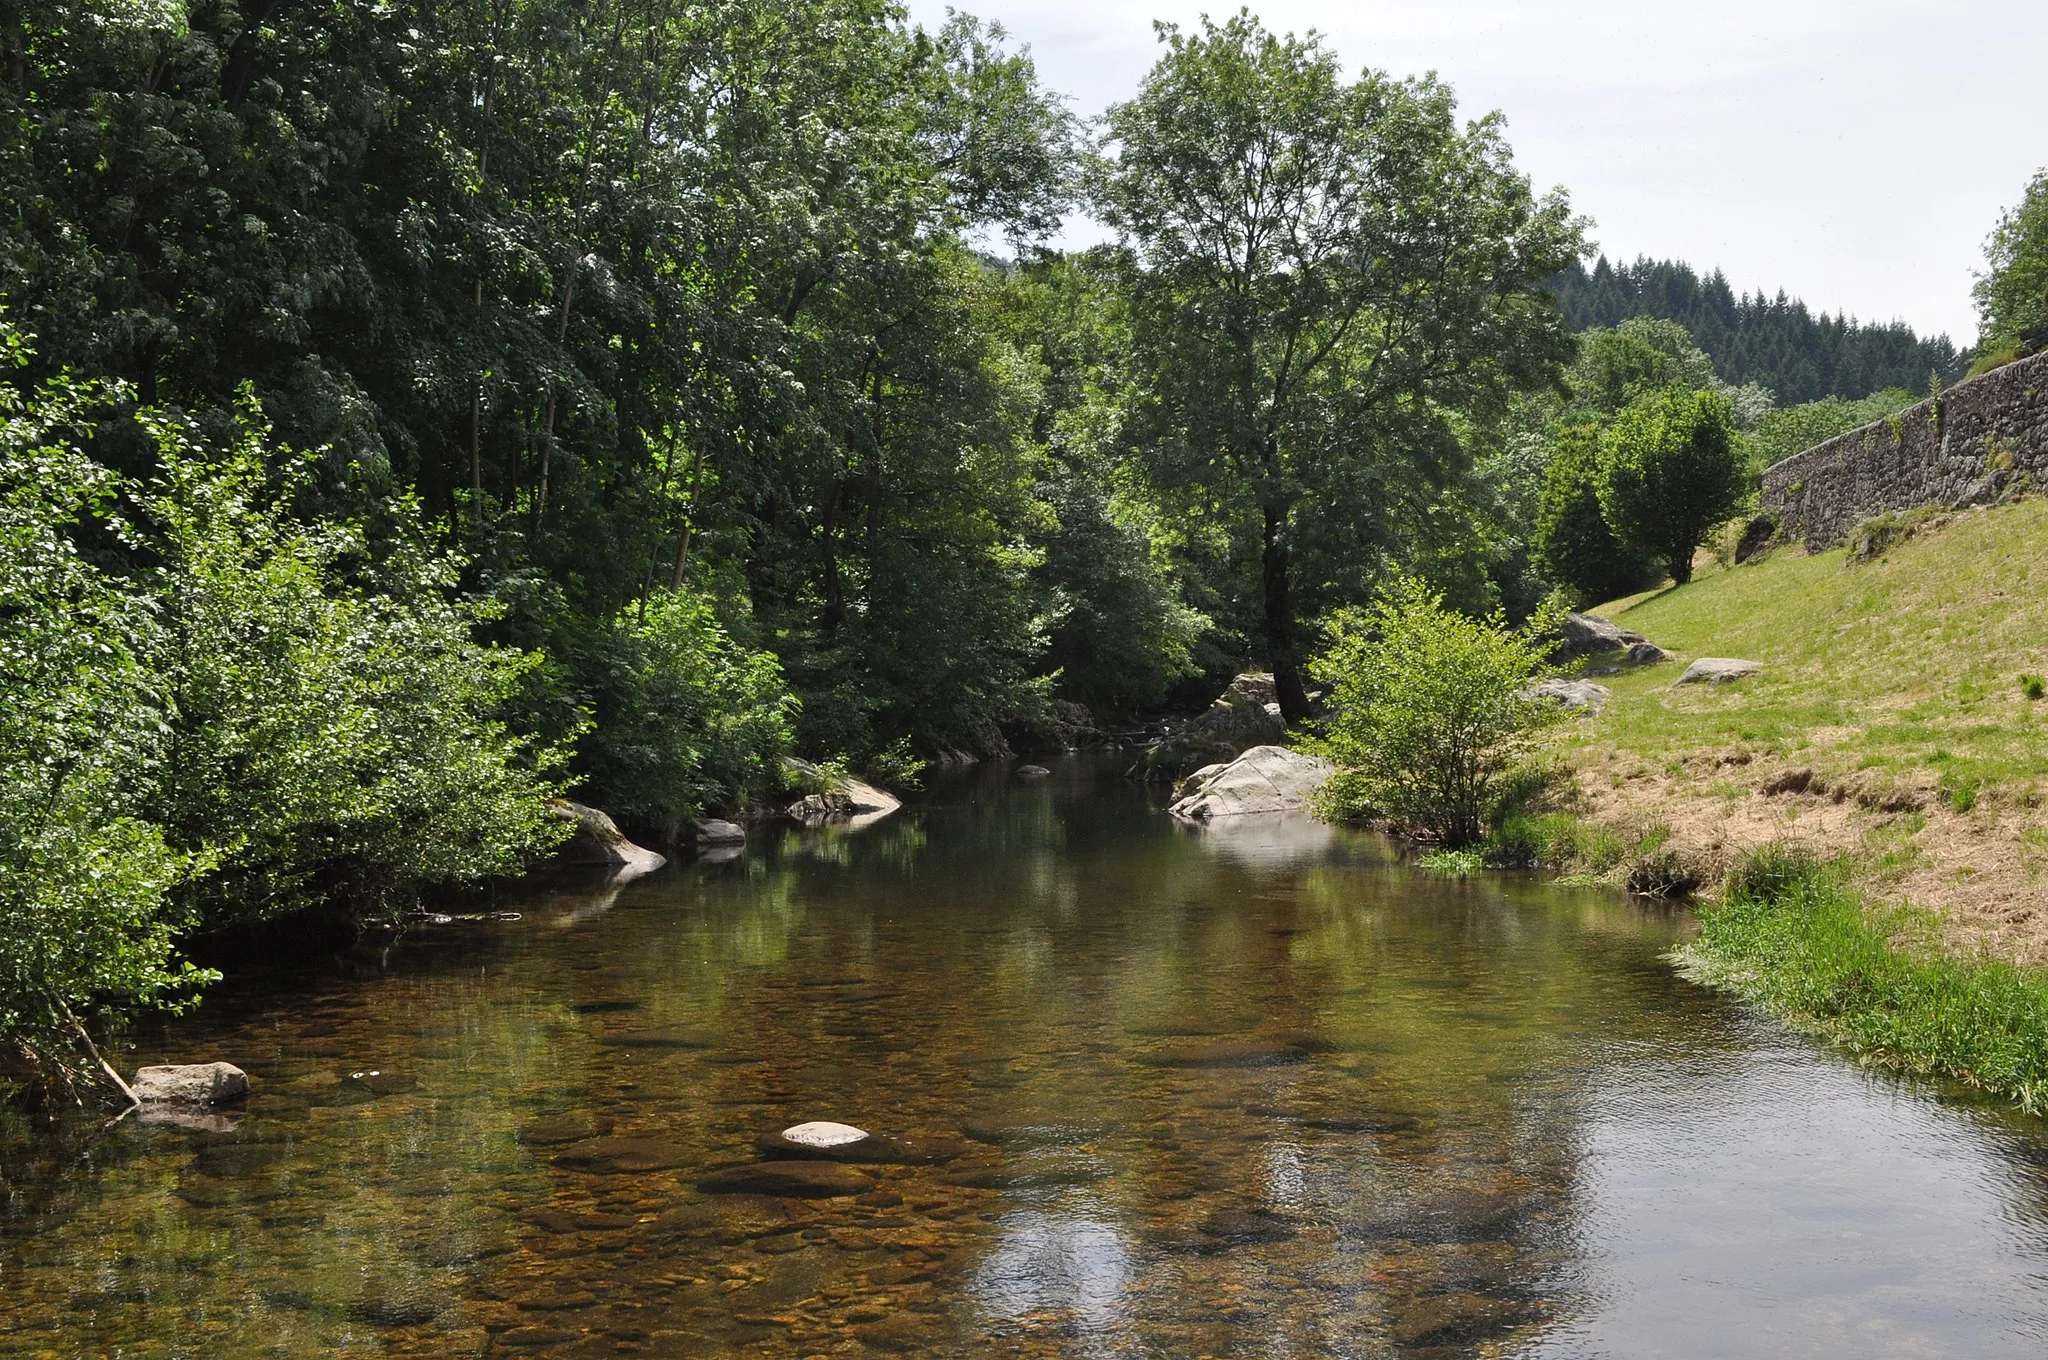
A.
pixel 1891 734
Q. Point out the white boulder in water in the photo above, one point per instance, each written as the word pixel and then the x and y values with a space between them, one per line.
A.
pixel 823 1133
pixel 1263 779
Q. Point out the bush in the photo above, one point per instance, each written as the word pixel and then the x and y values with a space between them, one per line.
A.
pixel 1572 539
pixel 1430 715
pixel 1670 472
pixel 337 740
pixel 2033 686
pixel 690 719
pixel 87 917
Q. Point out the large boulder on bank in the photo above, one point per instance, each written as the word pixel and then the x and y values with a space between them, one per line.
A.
pixel 1247 714
pixel 1263 779
pixel 1579 696
pixel 836 797
pixel 1718 670
pixel 1581 636
pixel 191 1085
pixel 597 841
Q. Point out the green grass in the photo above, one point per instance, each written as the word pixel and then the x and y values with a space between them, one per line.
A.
pixel 1789 934
pixel 1909 667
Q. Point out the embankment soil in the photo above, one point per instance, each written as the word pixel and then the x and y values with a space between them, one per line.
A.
pixel 1889 725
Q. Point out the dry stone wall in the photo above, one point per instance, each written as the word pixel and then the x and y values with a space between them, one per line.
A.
pixel 1972 445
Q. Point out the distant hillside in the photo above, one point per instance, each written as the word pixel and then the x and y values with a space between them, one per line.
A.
pixel 1754 338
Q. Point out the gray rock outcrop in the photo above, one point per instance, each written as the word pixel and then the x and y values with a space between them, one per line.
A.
pixel 1263 779
pixel 1247 714
pixel 191 1085
pixel 712 831
pixel 1580 696
pixel 1589 635
pixel 836 797
pixel 1717 670
pixel 597 841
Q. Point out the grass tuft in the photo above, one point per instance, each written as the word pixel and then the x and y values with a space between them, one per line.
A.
pixel 1789 934
pixel 1452 863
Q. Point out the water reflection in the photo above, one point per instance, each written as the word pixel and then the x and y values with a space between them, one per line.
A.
pixel 1240 1091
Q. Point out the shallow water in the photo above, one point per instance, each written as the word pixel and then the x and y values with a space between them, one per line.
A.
pixel 1248 1092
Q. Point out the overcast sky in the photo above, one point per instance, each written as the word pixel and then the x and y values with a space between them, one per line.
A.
pixel 1852 152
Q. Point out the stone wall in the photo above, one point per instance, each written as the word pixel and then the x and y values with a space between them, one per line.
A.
pixel 1972 445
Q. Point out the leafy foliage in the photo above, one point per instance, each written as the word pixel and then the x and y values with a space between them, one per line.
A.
pixel 1670 472
pixel 87 913
pixel 1327 278
pixel 2012 293
pixel 1573 539
pixel 695 720
pixel 1431 714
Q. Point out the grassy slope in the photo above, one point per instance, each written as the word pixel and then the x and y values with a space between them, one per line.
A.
pixel 1896 677
pixel 1905 668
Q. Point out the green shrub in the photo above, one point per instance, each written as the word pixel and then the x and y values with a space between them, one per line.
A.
pixel 2033 686
pixel 337 739
pixel 87 915
pixel 1429 713
pixel 1670 472
pixel 691 719
pixel 1451 863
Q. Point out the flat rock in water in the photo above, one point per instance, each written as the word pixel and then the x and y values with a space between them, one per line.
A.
pixel 822 1133
pixel 614 1156
pixel 875 1150
pixel 1263 779
pixel 1717 670
pixel 790 1180
pixel 565 1221
pixel 196 1084
pixel 1032 772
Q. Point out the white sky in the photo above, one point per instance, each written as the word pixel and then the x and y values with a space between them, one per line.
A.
pixel 1852 152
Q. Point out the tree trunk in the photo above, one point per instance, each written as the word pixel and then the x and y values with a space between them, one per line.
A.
pixel 1279 623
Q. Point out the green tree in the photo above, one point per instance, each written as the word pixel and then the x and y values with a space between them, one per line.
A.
pixel 2012 292
pixel 1328 275
pixel 1670 472
pixel 1573 541
pixel 1430 709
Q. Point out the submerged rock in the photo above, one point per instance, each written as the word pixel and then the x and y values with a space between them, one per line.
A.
pixel 617 1156
pixel 1263 779
pixel 802 1179
pixel 1717 670
pixel 1265 1052
pixel 192 1085
pixel 1032 772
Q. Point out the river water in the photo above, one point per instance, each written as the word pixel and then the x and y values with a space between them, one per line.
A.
pixel 1249 1091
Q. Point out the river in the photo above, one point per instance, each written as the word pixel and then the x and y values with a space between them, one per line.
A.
pixel 1258 1090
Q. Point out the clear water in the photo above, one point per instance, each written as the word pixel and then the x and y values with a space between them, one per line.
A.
pixel 1240 1092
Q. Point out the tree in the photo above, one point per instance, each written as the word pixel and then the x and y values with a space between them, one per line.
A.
pixel 1572 538
pixel 1671 472
pixel 1430 707
pixel 2012 293
pixel 1326 276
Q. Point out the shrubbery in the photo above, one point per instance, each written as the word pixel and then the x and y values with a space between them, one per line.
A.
pixel 1430 711
pixel 691 718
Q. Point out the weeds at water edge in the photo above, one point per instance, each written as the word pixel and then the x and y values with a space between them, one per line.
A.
pixel 1788 934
